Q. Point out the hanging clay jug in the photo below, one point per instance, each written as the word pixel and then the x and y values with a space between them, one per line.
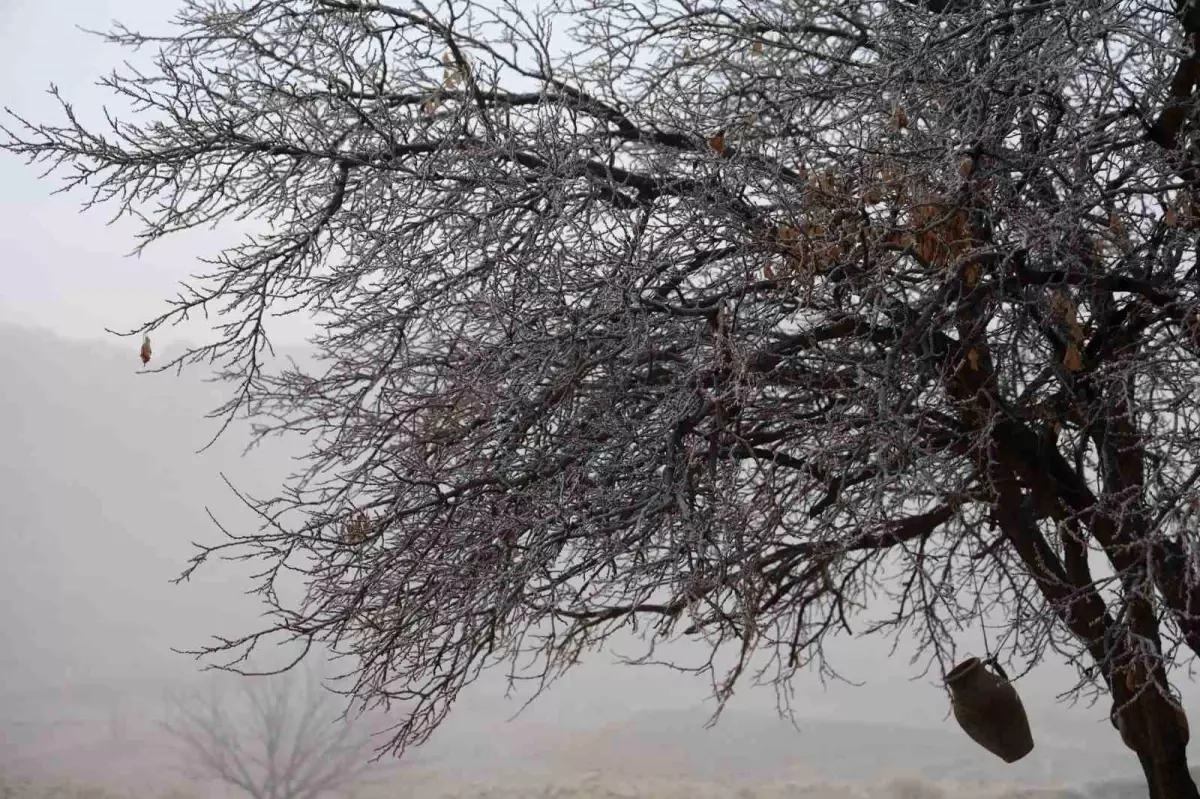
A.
pixel 988 709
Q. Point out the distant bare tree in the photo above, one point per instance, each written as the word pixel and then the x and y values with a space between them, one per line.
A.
pixel 753 321
pixel 278 737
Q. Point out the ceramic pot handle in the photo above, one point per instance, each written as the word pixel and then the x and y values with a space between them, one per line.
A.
pixel 999 669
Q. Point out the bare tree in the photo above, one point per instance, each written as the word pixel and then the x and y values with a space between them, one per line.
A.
pixel 757 322
pixel 277 737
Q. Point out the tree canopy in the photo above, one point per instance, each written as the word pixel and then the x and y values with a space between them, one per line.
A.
pixel 737 320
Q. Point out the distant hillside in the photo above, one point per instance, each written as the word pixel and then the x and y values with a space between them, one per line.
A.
pixel 751 747
pixel 101 495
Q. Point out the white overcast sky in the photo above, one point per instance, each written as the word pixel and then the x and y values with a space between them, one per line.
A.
pixel 59 268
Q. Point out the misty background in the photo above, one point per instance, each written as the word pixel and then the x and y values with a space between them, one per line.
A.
pixel 102 491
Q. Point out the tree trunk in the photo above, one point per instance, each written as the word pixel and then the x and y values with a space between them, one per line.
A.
pixel 1158 732
pixel 1169 778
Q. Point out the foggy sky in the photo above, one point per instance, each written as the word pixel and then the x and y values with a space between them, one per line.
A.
pixel 63 270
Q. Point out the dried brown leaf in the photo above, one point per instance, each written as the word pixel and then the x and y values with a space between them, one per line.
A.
pixel 971 275
pixel 1072 359
pixel 1062 307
